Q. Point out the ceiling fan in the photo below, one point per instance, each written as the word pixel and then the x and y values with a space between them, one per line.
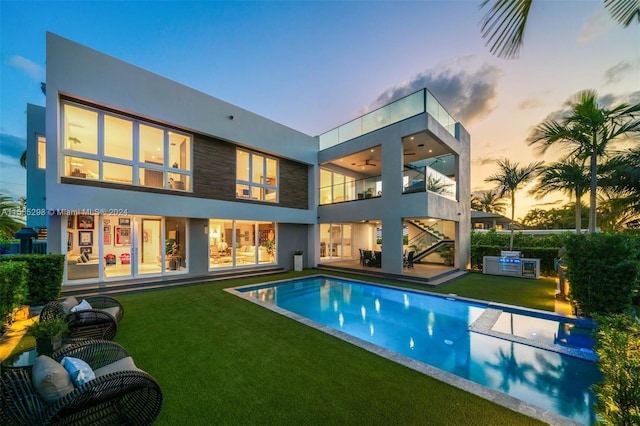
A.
pixel 367 163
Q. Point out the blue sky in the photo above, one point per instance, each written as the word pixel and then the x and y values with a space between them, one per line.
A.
pixel 313 65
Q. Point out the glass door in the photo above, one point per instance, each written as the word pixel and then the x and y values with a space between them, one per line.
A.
pixel 148 251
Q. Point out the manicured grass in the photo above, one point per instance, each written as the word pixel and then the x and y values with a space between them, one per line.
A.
pixel 223 360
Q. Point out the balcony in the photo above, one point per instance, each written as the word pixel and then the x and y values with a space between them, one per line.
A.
pixel 407 107
pixel 359 189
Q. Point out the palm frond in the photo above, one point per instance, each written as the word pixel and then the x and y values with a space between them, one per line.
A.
pixel 623 11
pixel 503 26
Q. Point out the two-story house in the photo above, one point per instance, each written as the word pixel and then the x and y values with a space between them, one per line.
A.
pixel 139 177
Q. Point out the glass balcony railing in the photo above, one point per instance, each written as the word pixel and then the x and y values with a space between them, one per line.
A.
pixel 421 179
pixel 407 107
pixel 369 187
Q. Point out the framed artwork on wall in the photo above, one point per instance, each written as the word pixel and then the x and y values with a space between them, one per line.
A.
pixel 69 241
pixel 85 238
pixel 107 239
pixel 85 221
pixel 124 221
pixel 123 235
pixel 71 221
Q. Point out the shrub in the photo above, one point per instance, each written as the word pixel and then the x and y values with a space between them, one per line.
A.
pixel 602 270
pixel 44 278
pixel 617 344
pixel 13 289
pixel 47 329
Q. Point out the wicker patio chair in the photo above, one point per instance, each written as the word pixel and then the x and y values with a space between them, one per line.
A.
pixel 130 397
pixel 100 322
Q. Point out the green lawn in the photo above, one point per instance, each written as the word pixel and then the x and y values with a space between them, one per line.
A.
pixel 223 360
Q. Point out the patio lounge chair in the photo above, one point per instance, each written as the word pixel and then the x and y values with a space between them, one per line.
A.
pixel 119 394
pixel 100 321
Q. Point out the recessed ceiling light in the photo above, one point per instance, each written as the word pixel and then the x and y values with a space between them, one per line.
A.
pixel 411 138
pixel 371 150
pixel 430 150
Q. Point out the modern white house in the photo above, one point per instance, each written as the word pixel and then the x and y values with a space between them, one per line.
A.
pixel 138 177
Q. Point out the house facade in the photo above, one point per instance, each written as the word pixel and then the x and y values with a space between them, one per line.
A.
pixel 138 177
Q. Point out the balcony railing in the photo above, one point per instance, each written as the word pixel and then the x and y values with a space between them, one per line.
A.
pixel 369 187
pixel 407 107
pixel 421 179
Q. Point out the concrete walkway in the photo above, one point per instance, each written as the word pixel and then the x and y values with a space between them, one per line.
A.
pixel 12 337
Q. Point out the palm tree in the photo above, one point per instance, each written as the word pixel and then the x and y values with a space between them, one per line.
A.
pixel 509 179
pixel 488 203
pixel 570 176
pixel 621 175
pixel 10 223
pixel 504 23
pixel 587 130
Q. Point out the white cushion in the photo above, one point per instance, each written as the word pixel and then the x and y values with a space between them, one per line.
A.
pixel 124 364
pixel 50 379
pixel 79 370
pixel 82 306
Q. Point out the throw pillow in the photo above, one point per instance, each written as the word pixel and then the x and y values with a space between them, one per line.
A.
pixel 82 306
pixel 79 370
pixel 68 303
pixel 85 255
pixel 50 379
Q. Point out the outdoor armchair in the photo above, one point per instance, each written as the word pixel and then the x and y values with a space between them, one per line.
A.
pixel 99 321
pixel 121 393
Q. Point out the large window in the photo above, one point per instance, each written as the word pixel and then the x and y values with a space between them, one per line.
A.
pixel 256 176
pixel 336 187
pixel 103 146
pixel 237 243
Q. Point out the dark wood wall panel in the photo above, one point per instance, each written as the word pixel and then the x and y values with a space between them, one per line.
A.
pixel 294 184
pixel 214 169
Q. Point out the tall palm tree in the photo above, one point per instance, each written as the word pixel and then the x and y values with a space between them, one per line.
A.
pixel 504 23
pixel 488 203
pixel 587 130
pixel 509 179
pixel 571 176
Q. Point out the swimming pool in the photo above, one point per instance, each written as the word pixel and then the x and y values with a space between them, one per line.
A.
pixel 509 350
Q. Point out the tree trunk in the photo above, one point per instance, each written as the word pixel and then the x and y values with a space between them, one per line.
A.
pixel 578 210
pixel 594 183
pixel 513 214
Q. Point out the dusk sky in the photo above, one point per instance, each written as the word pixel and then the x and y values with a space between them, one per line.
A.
pixel 313 65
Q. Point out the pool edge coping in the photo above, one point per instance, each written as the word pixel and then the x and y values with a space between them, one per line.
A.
pixel 466 385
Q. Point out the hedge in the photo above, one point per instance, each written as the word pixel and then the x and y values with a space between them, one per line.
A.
pixel 603 271
pixel 44 277
pixel 13 289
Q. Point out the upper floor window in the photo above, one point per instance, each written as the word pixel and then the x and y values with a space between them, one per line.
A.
pixel 104 146
pixel 42 152
pixel 256 176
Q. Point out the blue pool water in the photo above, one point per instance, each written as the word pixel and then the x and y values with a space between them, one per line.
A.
pixel 531 356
